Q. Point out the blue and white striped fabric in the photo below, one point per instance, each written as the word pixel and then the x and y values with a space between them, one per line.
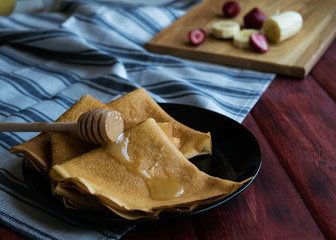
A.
pixel 49 60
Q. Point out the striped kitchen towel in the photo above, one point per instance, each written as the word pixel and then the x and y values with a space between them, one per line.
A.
pixel 48 60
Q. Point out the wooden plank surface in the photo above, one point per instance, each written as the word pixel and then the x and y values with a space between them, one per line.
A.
pixel 299 122
pixel 268 209
pixel 325 71
pixel 293 57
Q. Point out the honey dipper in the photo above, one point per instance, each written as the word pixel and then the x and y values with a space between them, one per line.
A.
pixel 95 126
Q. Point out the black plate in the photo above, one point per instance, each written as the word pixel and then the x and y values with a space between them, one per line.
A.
pixel 236 156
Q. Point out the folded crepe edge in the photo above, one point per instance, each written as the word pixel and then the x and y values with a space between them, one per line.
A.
pixel 155 212
pixel 134 214
pixel 37 151
pixel 39 160
pixel 204 145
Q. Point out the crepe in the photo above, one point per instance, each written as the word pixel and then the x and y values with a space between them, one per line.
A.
pixel 49 149
pixel 38 152
pixel 74 199
pixel 141 175
pixel 46 150
pixel 138 106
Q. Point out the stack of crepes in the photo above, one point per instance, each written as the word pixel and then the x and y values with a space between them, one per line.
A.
pixel 144 173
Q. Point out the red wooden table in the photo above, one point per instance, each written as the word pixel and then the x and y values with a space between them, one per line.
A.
pixel 294 196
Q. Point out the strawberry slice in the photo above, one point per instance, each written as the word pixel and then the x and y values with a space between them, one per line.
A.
pixel 196 37
pixel 259 42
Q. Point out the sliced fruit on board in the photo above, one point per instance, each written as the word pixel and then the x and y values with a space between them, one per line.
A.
pixel 282 26
pixel 242 38
pixel 196 37
pixel 225 29
pixel 259 42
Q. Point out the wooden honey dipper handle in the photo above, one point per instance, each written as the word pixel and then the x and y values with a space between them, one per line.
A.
pixel 95 126
pixel 39 127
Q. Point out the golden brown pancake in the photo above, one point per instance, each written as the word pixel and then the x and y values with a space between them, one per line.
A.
pixel 138 106
pixel 141 174
pixel 65 146
pixel 46 150
pixel 75 199
pixel 37 153
pixel 38 150
pixel 49 149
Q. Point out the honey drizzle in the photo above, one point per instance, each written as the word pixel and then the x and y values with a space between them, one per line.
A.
pixel 161 187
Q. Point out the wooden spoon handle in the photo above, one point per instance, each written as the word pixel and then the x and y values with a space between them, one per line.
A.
pixel 38 127
pixel 94 126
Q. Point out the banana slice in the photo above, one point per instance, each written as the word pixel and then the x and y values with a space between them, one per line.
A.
pixel 225 29
pixel 282 26
pixel 242 38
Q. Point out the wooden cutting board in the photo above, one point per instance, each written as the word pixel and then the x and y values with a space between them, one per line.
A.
pixel 293 57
